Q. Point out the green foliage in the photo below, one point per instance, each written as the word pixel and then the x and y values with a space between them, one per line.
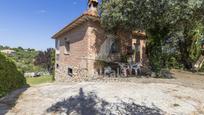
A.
pixel 155 56
pixel 53 63
pixel 3 47
pixel 173 63
pixel 202 69
pixel 24 59
pixel 46 60
pixel 150 14
pixel 178 20
pixel 124 58
pixel 195 50
pixel 10 77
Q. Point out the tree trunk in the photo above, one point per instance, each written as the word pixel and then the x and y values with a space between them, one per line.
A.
pixel 185 54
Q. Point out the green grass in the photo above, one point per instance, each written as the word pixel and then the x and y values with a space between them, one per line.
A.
pixel 39 80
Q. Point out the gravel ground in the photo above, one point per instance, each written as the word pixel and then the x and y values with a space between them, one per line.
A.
pixel 110 97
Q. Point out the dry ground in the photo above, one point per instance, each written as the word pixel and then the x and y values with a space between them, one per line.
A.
pixel 183 95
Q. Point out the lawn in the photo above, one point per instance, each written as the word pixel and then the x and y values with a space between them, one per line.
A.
pixel 39 80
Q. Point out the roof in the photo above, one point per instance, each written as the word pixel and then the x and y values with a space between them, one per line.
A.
pixel 8 51
pixel 81 19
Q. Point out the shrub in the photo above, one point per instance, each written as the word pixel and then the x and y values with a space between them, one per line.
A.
pixel 10 77
pixel 202 68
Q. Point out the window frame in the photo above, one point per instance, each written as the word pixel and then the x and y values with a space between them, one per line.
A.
pixel 67 46
pixel 70 72
pixel 57 44
pixel 116 48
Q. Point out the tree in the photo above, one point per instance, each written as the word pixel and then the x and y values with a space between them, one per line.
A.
pixel 24 59
pixel 1 47
pixel 160 19
pixel 46 59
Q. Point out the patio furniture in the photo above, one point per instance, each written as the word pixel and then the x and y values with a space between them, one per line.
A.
pixel 109 71
pixel 136 68
pixel 124 68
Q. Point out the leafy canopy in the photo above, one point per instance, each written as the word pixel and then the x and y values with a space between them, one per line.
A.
pixel 178 20
pixel 149 14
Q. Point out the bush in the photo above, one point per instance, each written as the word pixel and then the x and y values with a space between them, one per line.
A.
pixel 10 77
pixel 202 69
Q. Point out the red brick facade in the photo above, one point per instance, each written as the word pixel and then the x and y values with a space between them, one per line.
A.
pixel 79 44
pixel 85 44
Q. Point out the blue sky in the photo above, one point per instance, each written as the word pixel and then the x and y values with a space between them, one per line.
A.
pixel 31 23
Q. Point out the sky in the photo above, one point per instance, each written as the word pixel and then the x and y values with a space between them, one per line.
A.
pixel 32 23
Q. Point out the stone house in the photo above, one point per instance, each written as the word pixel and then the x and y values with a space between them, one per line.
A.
pixel 9 52
pixel 83 43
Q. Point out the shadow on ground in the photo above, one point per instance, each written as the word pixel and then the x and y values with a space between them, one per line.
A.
pixel 90 104
pixel 9 101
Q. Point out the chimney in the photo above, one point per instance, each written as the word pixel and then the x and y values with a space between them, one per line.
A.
pixel 92 7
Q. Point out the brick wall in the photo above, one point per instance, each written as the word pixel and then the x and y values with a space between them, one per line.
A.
pixel 125 41
pixel 78 51
pixel 85 43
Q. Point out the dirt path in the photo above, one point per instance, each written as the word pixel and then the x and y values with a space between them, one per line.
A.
pixel 135 96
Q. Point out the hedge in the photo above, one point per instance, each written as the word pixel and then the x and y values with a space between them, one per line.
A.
pixel 10 77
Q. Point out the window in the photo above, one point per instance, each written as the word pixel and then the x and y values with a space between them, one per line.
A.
pixel 67 46
pixel 70 72
pixel 115 47
pixel 57 44
pixel 57 66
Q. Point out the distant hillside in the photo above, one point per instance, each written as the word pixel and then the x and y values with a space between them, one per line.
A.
pixel 24 58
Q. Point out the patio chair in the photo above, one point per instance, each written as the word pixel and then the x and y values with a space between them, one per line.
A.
pixel 124 69
pixel 109 71
pixel 136 68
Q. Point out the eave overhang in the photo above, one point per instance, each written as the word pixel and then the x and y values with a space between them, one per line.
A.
pixel 83 18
